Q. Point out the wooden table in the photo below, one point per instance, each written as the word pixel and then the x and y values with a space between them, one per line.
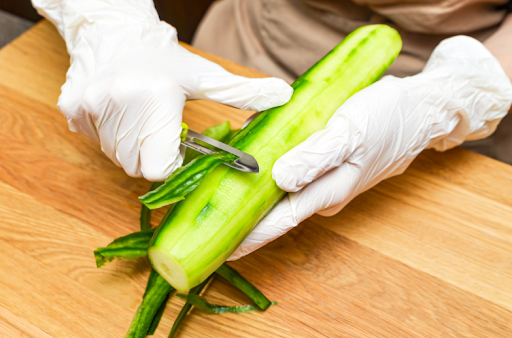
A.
pixel 426 254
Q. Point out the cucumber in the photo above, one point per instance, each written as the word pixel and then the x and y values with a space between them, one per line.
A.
pixel 205 228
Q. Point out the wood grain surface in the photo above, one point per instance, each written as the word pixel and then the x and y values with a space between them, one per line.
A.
pixel 425 254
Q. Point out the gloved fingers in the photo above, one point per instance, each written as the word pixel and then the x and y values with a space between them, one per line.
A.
pixel 278 222
pixel 144 121
pixel 328 194
pixel 159 139
pixel 321 152
pixel 209 81
pixel 79 117
pixel 160 152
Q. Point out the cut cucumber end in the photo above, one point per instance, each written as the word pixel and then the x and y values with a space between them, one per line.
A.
pixel 169 269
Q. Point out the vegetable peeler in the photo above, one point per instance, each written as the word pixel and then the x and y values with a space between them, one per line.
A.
pixel 244 162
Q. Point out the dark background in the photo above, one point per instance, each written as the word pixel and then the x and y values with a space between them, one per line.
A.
pixel 185 15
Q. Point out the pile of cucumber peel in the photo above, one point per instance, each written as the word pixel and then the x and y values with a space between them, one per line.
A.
pixel 214 207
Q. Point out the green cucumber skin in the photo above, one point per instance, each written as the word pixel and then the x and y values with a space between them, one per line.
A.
pixel 145 212
pixel 236 279
pixel 155 294
pixel 212 221
pixel 177 186
pixel 131 246
pixel 184 311
pixel 202 304
pixel 183 181
pixel 158 316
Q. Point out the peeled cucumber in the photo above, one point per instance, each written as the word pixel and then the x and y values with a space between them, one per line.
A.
pixel 208 225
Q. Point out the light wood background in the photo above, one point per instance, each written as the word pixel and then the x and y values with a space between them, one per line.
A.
pixel 426 254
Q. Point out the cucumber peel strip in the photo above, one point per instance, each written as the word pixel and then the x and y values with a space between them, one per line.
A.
pixel 202 304
pixel 157 291
pixel 145 212
pixel 186 308
pixel 236 279
pixel 131 246
pixel 184 180
pixel 134 245
pixel 158 316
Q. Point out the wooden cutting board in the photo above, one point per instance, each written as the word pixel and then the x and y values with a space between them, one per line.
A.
pixel 425 254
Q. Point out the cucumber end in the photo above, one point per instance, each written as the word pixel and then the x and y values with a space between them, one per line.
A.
pixel 169 269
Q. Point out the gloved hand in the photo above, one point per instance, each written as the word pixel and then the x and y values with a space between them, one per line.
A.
pixel 129 79
pixel 462 94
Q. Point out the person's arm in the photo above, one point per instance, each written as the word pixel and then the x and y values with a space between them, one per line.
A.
pixel 129 79
pixel 500 45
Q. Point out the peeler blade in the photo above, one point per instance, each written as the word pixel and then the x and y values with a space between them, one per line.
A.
pixel 244 162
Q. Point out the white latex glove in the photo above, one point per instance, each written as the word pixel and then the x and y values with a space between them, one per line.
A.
pixel 462 94
pixel 129 79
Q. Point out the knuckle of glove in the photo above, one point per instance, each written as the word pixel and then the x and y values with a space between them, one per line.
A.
pixel 290 174
pixel 272 92
pixel 79 117
pixel 323 151
pixel 69 105
pixel 158 172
